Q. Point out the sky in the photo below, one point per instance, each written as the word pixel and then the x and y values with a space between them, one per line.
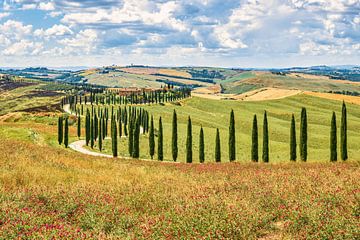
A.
pixel 224 33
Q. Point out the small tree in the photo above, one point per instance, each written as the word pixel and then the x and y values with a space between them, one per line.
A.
pixel 255 143
pixel 217 147
pixel 201 146
pixel 151 138
pixel 303 135
pixel 265 155
pixel 79 126
pixel 343 135
pixel 333 139
pixel 66 133
pixel 174 137
pixel 232 153
pixel 160 142
pixel 189 142
pixel 292 139
pixel 60 130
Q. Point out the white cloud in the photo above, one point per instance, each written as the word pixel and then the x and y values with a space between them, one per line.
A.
pixel 23 47
pixel 15 29
pixel 29 6
pixel 83 42
pixel 56 30
pixel 49 6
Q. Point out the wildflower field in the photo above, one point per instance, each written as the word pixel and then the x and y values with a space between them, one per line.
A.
pixel 48 191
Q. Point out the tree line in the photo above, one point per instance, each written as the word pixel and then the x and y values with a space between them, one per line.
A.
pixel 131 121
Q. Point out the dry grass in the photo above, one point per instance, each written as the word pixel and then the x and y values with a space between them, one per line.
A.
pixel 333 96
pixel 50 192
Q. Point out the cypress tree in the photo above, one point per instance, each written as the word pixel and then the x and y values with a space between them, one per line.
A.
pixel 174 137
pixel 114 137
pixel 103 127
pixel 255 143
pixel 232 153
pixel 217 147
pixel 79 126
pixel 96 130
pixel 201 146
pixel 333 139
pixel 136 147
pixel 120 127
pixel 131 137
pixel 66 133
pixel 87 127
pixel 189 142
pixel 303 135
pixel 292 139
pixel 343 134
pixel 151 139
pixel 100 133
pixel 265 155
pixel 92 132
pixel 60 130
pixel 160 142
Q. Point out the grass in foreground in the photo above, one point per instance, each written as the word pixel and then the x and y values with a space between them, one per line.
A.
pixel 48 191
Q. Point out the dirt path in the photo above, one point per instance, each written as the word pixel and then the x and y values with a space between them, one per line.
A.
pixel 79 145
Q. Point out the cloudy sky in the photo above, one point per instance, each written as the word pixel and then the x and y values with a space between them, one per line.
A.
pixel 242 33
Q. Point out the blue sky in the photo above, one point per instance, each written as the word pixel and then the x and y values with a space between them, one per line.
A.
pixel 228 33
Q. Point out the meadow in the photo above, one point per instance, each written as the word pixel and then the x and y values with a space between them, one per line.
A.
pixel 48 191
pixel 212 114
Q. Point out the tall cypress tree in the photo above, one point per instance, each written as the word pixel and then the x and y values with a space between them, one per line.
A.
pixel 151 138
pixel 232 153
pixel 201 146
pixel 114 137
pixel 174 137
pixel 120 127
pixel 100 133
pixel 333 139
pixel 96 129
pixel 189 142
pixel 131 137
pixel 92 132
pixel 303 135
pixel 160 141
pixel 78 126
pixel 343 134
pixel 60 130
pixel 66 133
pixel 217 147
pixel 103 127
pixel 265 156
pixel 255 141
pixel 87 127
pixel 136 147
pixel 292 139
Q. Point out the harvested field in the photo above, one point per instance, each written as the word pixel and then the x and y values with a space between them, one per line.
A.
pixel 333 96
pixel 267 94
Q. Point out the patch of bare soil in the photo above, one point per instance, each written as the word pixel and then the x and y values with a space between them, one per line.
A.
pixel 43 94
pixel 47 108
pixel 10 85
pixel 266 94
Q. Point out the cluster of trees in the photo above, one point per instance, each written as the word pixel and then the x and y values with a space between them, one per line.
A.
pixel 63 131
pixel 124 122
pixel 131 121
pixel 166 94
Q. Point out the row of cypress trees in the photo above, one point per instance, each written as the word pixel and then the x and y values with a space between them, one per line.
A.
pixel 96 128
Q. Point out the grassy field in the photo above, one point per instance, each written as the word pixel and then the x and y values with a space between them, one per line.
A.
pixel 47 191
pixel 212 114
pixel 249 81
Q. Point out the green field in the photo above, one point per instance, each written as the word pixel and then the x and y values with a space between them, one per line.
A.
pixel 212 114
